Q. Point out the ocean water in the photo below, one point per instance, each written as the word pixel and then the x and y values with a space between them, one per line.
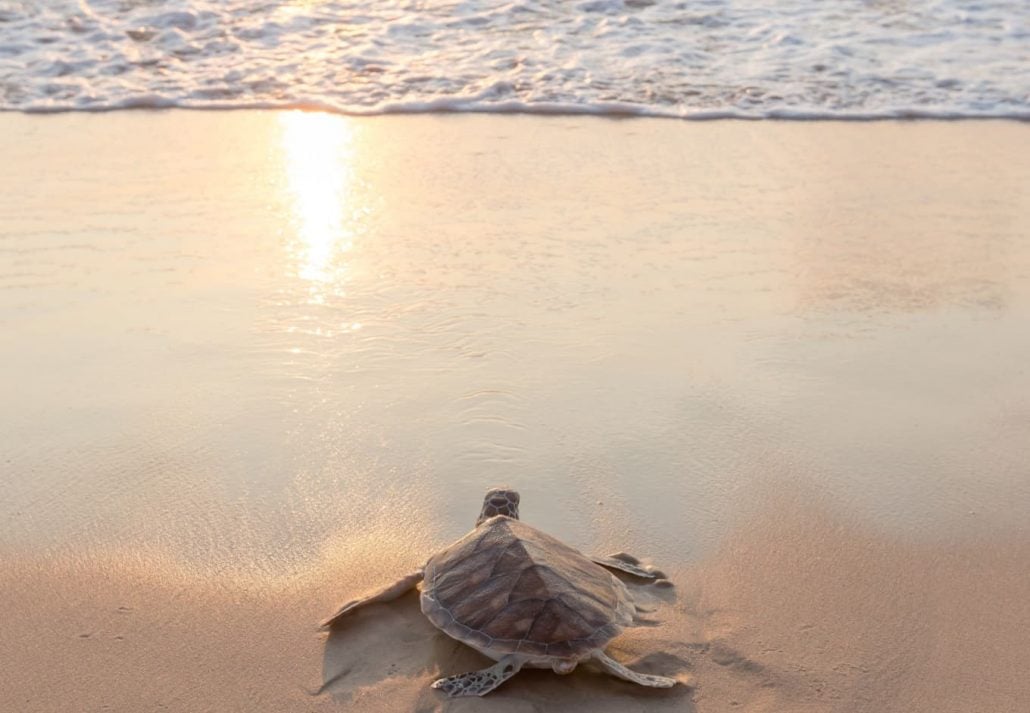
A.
pixel 698 59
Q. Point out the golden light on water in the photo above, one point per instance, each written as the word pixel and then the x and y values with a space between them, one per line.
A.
pixel 318 157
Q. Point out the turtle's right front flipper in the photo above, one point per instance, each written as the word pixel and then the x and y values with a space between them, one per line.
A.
pixel 386 594
pixel 628 564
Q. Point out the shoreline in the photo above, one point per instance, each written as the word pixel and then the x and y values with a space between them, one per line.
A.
pixel 447 107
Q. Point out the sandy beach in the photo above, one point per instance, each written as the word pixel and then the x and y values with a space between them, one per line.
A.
pixel 257 363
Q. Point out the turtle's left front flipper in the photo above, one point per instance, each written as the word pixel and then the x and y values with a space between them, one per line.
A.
pixel 386 594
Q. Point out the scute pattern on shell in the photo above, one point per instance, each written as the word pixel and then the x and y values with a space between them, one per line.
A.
pixel 510 588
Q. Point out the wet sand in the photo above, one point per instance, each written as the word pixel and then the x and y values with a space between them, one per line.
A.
pixel 260 362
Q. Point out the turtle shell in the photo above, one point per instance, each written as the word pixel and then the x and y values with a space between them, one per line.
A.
pixel 507 588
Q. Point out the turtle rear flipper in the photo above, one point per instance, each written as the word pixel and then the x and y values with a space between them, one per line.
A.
pixel 479 683
pixel 644 679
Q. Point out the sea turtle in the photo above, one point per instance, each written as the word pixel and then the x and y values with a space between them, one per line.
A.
pixel 522 598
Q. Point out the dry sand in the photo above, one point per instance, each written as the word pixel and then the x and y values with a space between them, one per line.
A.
pixel 784 360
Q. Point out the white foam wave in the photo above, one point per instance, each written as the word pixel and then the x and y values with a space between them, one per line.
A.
pixel 797 59
pixel 464 106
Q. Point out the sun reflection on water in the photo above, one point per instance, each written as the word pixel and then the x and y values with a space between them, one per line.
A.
pixel 318 156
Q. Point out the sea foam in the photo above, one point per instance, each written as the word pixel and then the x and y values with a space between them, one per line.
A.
pixel 705 59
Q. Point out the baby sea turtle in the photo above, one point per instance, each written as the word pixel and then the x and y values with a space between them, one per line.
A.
pixel 522 598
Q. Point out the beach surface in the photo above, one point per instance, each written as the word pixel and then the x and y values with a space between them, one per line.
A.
pixel 258 363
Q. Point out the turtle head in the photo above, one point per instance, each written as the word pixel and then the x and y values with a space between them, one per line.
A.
pixel 499 501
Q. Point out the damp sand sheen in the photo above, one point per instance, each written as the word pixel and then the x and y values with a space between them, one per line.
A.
pixel 258 363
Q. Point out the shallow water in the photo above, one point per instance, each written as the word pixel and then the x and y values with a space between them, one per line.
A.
pixel 260 333
pixel 846 58
pixel 257 363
